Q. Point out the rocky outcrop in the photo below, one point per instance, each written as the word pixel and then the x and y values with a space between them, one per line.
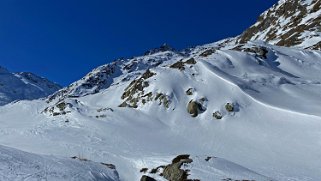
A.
pixel 288 23
pixel 180 65
pixel 173 171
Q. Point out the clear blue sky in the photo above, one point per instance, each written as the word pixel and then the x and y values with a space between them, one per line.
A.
pixel 64 39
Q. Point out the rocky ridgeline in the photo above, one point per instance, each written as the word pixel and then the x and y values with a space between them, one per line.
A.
pixel 288 23
pixel 106 75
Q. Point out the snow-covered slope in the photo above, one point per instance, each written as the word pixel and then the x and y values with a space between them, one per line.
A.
pixel 142 116
pixel 19 165
pixel 24 85
pixel 288 23
pixel 254 105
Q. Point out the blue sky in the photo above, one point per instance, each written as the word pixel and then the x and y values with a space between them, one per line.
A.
pixel 63 40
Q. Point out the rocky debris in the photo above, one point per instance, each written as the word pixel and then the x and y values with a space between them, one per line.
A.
pixel 105 109
pixel 62 107
pixel 217 115
pixel 163 99
pixel 180 65
pixel 58 109
pixel 229 107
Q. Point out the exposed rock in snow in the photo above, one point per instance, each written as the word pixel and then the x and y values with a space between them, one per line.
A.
pixel 186 167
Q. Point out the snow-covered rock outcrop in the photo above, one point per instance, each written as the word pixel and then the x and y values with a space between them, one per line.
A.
pixel 292 23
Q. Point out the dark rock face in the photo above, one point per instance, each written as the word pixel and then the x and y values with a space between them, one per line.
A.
pixel 285 24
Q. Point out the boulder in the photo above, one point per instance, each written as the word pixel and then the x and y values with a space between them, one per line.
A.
pixel 147 178
pixel 194 108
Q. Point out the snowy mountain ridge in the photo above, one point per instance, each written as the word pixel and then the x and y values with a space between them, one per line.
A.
pixel 23 86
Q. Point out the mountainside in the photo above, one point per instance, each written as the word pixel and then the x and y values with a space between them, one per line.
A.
pixel 237 109
pixel 24 85
pixel 292 23
pixel 256 105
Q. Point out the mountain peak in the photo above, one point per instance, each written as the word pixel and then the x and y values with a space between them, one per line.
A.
pixel 291 23
pixel 23 86
pixel 163 48
pixel 3 70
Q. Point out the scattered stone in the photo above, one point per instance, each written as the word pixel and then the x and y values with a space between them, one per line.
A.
pixel 229 107
pixel 217 115
pixel 208 158
pixel 143 170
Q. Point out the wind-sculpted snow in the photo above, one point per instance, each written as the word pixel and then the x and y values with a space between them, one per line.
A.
pixel 19 165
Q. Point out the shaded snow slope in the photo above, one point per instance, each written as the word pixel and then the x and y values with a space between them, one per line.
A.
pixel 19 165
pixel 21 86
